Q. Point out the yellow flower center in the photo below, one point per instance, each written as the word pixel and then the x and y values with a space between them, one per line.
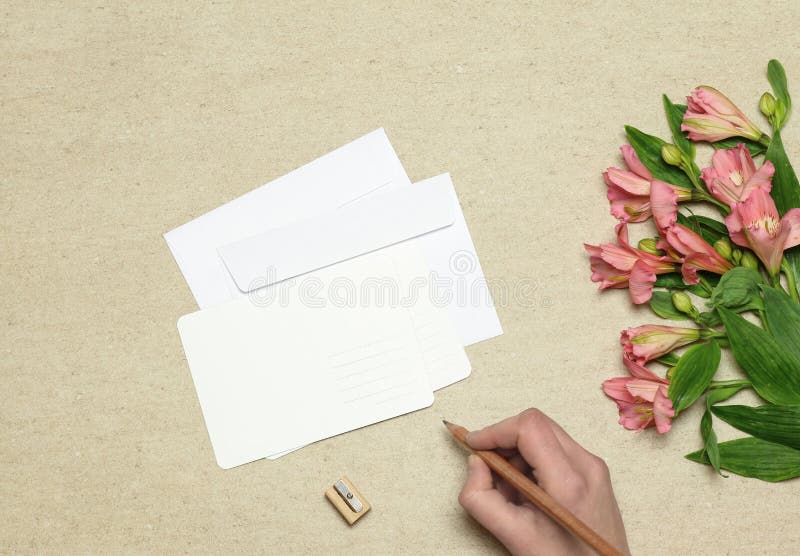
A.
pixel 767 223
pixel 736 177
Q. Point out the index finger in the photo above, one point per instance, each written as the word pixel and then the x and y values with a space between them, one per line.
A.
pixel 499 436
pixel 533 435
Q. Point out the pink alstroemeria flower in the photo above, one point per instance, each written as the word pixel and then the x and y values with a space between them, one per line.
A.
pixel 733 175
pixel 650 341
pixel 629 190
pixel 642 402
pixel 755 223
pixel 711 116
pixel 697 253
pixel 680 242
pixel 620 266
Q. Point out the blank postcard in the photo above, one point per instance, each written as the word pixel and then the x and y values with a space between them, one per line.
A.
pixel 271 378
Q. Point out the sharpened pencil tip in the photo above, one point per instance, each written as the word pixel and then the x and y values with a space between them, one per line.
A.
pixel 446 422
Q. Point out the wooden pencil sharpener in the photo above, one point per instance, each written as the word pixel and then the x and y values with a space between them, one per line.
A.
pixel 347 500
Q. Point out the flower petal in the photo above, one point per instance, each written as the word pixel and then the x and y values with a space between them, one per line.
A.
pixel 630 182
pixel 734 225
pixel 767 247
pixel 761 179
pixel 757 207
pixel 640 282
pixel 635 416
pixel 607 275
pixel 593 250
pixel 638 370
pixel 663 204
pixel 633 162
pixel 689 271
pixel 644 389
pixel 615 388
pixel 663 411
pixel 619 257
pixel 791 220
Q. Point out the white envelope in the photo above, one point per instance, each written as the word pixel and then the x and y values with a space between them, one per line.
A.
pixel 282 212
pixel 352 172
pixel 378 221
pixel 427 214
pixel 456 276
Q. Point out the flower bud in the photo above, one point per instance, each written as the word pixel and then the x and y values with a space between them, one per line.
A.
pixel 671 154
pixel 683 303
pixel 723 247
pixel 648 245
pixel 767 105
pixel 736 256
pixel 749 260
pixel 711 116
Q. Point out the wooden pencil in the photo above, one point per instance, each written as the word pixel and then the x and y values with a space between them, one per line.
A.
pixel 537 495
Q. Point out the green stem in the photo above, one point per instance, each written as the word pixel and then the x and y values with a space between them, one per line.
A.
pixel 688 168
pixel 706 286
pixel 692 171
pixel 765 140
pixel 698 320
pixel 763 318
pixel 791 279
pixel 709 330
pixel 703 196
pixel 715 384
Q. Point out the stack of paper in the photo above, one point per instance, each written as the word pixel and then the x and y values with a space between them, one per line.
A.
pixel 334 297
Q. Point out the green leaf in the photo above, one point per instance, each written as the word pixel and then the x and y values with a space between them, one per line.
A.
pixel 773 370
pixel 710 446
pixel 719 395
pixel 777 78
pixel 661 304
pixel 688 222
pixel 669 359
pixel 785 187
pixel 693 373
pixel 754 147
pixel 648 149
pixel 783 319
pixel 675 119
pixel 672 280
pixel 774 423
pixel 752 457
pixel 711 225
pixel 699 290
pixel 785 190
pixel 738 290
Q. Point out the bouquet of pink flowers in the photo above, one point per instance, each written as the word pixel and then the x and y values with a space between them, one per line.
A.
pixel 726 258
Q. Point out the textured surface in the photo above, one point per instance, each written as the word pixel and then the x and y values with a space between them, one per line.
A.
pixel 118 123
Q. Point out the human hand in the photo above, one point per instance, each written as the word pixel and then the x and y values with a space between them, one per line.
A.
pixel 577 479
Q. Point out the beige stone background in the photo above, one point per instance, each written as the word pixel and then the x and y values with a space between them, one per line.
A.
pixel 121 121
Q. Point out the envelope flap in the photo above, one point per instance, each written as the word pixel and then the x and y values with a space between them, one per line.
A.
pixel 362 226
